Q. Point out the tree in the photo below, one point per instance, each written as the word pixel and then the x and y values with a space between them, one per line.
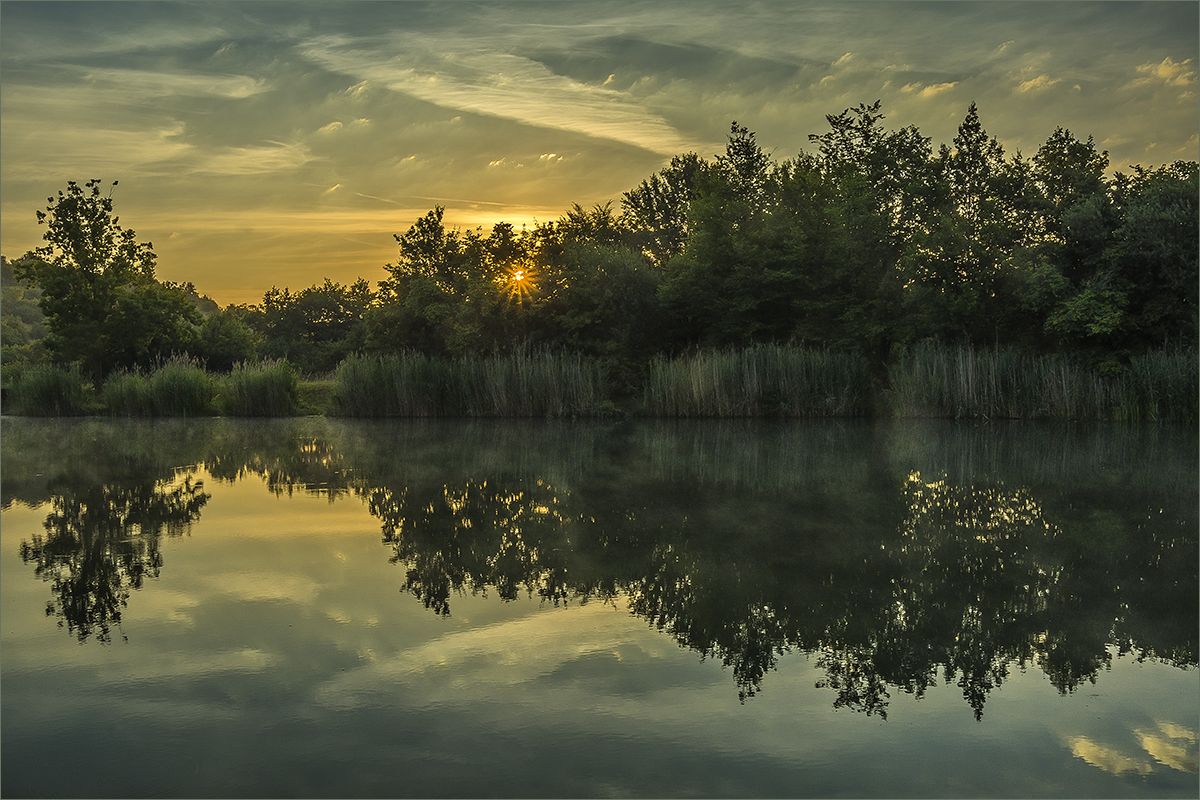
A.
pixel 655 213
pixel 1154 253
pixel 104 308
pixel 226 339
pixel 316 327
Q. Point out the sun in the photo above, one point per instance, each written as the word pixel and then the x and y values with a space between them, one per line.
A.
pixel 519 283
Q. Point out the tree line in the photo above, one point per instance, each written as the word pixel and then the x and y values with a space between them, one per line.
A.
pixel 872 243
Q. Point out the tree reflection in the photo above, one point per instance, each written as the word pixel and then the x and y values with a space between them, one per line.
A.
pixel 966 583
pixel 101 542
pixel 742 545
pixel 475 536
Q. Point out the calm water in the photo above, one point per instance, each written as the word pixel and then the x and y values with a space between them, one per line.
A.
pixel 318 607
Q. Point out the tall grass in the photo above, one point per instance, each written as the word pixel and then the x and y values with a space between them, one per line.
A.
pixel 127 393
pixel 763 380
pixel 179 387
pixel 943 381
pixel 1162 385
pixel 49 391
pixel 526 383
pixel 264 389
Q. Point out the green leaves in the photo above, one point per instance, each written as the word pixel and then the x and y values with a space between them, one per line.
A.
pixel 103 306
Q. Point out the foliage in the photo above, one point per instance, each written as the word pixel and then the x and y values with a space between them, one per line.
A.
pixel 226 339
pixel 104 308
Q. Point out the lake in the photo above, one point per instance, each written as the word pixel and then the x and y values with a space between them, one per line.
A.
pixel 328 608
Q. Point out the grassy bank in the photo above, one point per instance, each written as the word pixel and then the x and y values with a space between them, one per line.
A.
pixel 765 380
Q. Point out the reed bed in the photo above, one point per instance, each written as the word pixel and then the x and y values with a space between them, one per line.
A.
pixel 525 383
pixel 44 390
pixel 1162 386
pixel 262 389
pixel 940 381
pixel 763 380
pixel 178 387
pixel 127 393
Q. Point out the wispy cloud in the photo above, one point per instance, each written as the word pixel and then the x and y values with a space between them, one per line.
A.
pixel 501 85
pixel 933 90
pixel 1037 84
pixel 145 83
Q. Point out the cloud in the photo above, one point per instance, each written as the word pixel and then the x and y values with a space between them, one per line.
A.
pixel 255 160
pixel 503 162
pixel 69 151
pixel 1037 84
pixel 1168 72
pixel 333 126
pixel 928 91
pixel 502 85
pixel 144 83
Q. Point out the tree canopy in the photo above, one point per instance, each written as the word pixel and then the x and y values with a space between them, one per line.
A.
pixel 875 241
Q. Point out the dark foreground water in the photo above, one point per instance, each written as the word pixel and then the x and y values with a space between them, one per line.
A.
pixel 317 607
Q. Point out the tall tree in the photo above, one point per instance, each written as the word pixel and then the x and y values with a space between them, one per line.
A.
pixel 103 306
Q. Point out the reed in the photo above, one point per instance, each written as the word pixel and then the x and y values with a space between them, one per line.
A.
pixel 931 380
pixel 178 387
pixel 45 390
pixel 525 383
pixel 1162 386
pixel 181 388
pixel 127 393
pixel 762 380
pixel 262 389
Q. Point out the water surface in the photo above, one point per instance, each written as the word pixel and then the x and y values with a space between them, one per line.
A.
pixel 318 607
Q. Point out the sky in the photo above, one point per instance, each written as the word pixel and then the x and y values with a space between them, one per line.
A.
pixel 273 144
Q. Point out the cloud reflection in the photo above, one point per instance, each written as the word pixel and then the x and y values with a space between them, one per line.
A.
pixel 1167 744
